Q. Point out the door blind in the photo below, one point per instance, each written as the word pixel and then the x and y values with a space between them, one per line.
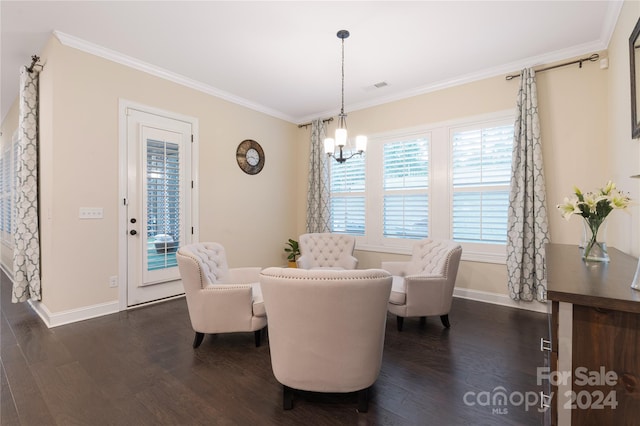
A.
pixel 163 203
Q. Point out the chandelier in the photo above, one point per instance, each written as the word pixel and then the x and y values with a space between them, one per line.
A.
pixel 340 141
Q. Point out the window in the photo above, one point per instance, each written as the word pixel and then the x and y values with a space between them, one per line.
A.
pixel 405 179
pixel 448 180
pixel 481 164
pixel 8 160
pixel 347 185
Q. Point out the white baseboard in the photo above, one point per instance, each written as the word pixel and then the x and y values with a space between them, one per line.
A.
pixel 73 315
pixel 6 271
pixel 498 299
pixel 87 312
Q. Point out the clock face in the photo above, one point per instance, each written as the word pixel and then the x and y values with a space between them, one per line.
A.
pixel 253 158
pixel 250 157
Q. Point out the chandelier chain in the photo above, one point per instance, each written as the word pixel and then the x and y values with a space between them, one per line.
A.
pixel 342 107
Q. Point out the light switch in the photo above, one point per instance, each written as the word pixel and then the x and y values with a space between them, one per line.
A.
pixel 91 213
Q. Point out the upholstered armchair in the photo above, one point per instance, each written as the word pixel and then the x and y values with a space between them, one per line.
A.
pixel 324 250
pixel 220 299
pixel 326 329
pixel 424 285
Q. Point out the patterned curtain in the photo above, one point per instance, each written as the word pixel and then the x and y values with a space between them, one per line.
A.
pixel 527 225
pixel 26 235
pixel 318 213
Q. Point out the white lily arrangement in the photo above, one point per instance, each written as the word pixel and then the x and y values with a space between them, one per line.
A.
pixel 594 207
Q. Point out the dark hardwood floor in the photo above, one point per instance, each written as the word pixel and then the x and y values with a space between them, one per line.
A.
pixel 138 368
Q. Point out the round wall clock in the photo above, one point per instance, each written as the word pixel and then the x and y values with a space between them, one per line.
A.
pixel 250 156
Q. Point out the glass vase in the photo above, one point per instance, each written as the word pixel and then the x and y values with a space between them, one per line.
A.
pixel 594 241
pixel 635 284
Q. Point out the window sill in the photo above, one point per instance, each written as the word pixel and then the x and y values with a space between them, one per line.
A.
pixel 467 255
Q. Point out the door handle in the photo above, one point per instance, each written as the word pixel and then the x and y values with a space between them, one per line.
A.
pixel 545 345
pixel 545 401
pixel 133 232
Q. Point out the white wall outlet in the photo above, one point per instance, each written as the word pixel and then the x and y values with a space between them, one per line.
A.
pixel 91 213
pixel 113 281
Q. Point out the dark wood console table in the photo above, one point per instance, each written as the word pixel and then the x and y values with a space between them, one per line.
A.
pixel 595 332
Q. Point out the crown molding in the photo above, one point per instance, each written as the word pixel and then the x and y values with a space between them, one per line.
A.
pixel 505 69
pixel 613 13
pixel 128 61
pixel 610 21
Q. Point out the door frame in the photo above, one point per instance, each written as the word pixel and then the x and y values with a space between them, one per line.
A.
pixel 123 178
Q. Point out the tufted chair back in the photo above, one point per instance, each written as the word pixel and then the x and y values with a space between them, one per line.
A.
pixel 212 259
pixel 424 285
pixel 431 256
pixel 327 251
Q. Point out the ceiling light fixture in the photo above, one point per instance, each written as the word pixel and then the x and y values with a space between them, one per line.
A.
pixel 340 140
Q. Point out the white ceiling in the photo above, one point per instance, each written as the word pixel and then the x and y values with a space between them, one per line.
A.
pixel 283 58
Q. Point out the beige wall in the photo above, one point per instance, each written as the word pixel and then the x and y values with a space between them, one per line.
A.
pixel 624 151
pixel 585 122
pixel 252 216
pixel 573 120
pixel 573 106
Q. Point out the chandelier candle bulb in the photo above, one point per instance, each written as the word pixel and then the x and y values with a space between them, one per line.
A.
pixel 329 145
pixel 361 143
pixel 341 137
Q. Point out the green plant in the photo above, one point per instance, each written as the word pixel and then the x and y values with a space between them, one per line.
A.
pixel 293 250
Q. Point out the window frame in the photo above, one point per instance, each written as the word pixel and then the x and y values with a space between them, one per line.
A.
pixel 8 190
pixel 481 252
pixel 346 193
pixel 406 192
pixel 440 188
pixel 374 239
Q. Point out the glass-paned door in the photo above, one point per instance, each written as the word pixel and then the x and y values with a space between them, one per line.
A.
pixel 158 205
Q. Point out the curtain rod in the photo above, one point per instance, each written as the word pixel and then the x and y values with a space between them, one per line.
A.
pixel 326 120
pixel 34 62
pixel 591 58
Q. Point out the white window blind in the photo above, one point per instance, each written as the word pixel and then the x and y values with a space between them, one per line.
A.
pixel 3 190
pixel 481 163
pixel 8 160
pixel 347 187
pixel 14 188
pixel 7 190
pixel 405 179
pixel 163 202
